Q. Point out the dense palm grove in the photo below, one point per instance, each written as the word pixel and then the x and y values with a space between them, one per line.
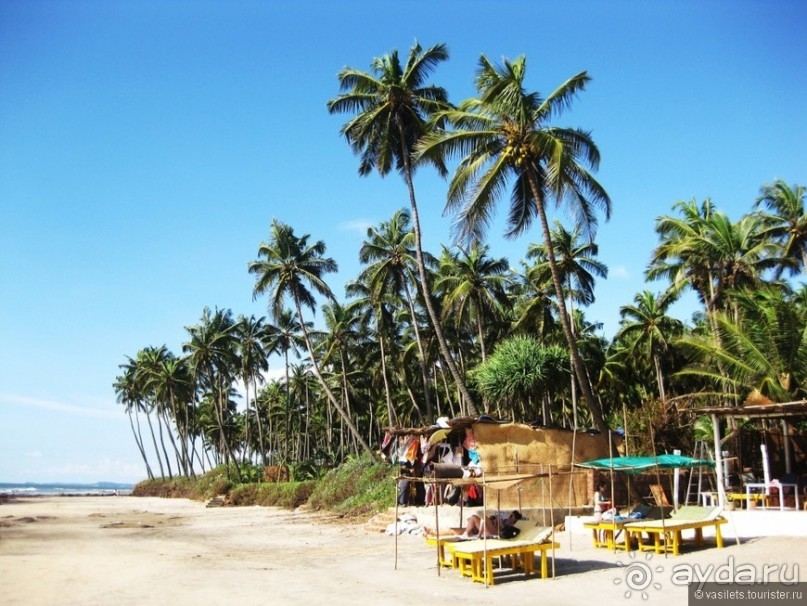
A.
pixel 455 332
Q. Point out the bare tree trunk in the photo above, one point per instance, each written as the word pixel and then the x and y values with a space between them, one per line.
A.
pixel 577 362
pixel 424 282
pixel 139 441
pixel 315 367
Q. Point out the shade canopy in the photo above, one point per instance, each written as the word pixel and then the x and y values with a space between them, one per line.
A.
pixel 640 464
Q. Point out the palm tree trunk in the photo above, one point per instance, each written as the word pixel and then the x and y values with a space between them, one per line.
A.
pixel 448 393
pixel 184 466
pixel 422 353
pixel 573 382
pixel 221 390
pixel 331 398
pixel 245 454
pixel 139 441
pixel 162 443
pixel 424 283
pixel 481 334
pixel 288 405
pixel 662 394
pixel 262 444
pixel 154 440
pixel 577 362
pixel 391 419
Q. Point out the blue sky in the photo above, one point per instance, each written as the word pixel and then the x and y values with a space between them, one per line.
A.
pixel 146 146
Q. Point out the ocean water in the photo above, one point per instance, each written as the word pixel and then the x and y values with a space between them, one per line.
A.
pixel 32 489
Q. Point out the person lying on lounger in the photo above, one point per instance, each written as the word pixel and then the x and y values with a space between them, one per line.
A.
pixel 490 527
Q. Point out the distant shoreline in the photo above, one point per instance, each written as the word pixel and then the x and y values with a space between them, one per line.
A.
pixel 12 497
pixel 42 489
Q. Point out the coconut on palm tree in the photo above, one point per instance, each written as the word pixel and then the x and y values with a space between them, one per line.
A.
pixel 505 138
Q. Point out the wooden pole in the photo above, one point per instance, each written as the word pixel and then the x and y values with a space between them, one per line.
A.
pixel 552 519
pixel 437 525
pixel 397 488
pixel 721 487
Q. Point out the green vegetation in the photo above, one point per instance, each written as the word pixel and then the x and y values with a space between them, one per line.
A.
pixel 421 335
pixel 360 486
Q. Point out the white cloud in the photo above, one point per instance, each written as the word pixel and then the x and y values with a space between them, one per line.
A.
pixel 360 226
pixel 275 374
pixel 17 400
pixel 33 454
pixel 620 272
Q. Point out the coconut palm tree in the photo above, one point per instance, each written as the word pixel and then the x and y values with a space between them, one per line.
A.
pixel 391 270
pixel 340 337
pixel 763 348
pixel 678 258
pixel 576 260
pixel 288 268
pixel 533 292
pixel 212 353
pixel 473 287
pixel 577 263
pixel 136 376
pixel 786 223
pixel 128 394
pixel 394 105
pixel 173 387
pixel 706 251
pixel 373 308
pixel 285 335
pixel 648 328
pixel 252 338
pixel 159 390
pixel 505 137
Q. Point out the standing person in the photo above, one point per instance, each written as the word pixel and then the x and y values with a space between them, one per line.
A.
pixel 602 501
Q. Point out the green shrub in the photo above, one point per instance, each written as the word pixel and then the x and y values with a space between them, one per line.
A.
pixel 358 487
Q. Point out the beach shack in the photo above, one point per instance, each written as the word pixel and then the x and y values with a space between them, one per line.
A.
pixel 436 456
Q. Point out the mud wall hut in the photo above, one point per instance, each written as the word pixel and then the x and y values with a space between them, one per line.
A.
pixel 514 448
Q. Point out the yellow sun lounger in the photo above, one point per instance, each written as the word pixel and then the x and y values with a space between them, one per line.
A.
pixel 441 542
pixel 606 532
pixel 475 558
pixel 666 534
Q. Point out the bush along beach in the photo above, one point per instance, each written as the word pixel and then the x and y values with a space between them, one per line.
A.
pixel 360 486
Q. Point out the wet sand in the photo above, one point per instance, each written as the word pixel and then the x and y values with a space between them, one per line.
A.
pixel 130 550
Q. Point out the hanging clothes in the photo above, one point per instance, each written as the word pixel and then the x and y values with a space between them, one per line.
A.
pixel 413 451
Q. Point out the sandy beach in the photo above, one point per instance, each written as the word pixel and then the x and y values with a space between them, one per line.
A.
pixel 129 550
